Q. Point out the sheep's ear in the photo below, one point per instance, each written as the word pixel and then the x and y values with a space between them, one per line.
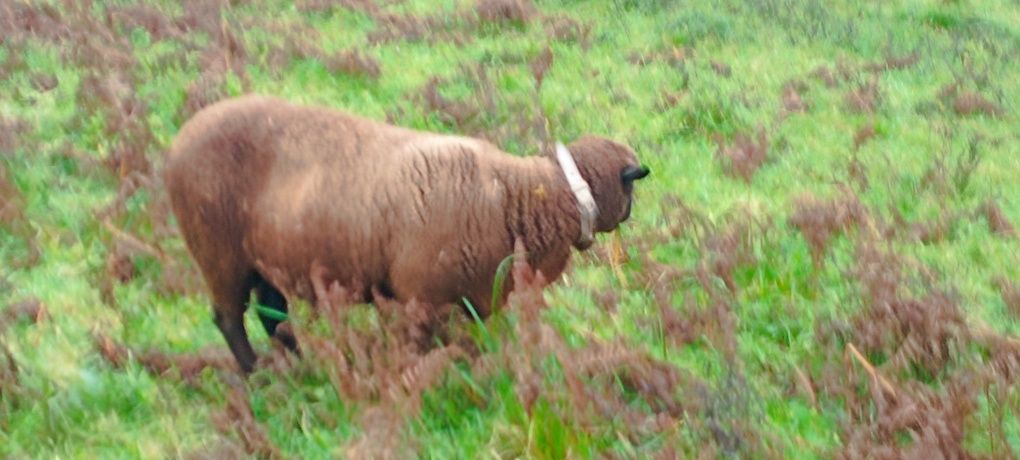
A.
pixel 633 173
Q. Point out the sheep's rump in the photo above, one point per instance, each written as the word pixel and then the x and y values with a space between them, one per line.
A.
pixel 284 186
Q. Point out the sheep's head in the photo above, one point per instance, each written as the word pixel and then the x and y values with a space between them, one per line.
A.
pixel 611 169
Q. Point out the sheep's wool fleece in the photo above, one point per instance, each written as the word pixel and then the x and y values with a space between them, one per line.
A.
pixel 282 187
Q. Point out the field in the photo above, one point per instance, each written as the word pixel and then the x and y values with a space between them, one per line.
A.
pixel 824 262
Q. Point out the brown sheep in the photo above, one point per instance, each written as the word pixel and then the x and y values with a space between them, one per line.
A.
pixel 264 189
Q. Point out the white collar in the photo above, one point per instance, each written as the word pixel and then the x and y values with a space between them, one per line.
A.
pixel 585 202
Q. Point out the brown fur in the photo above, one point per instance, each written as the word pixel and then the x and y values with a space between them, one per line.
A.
pixel 263 190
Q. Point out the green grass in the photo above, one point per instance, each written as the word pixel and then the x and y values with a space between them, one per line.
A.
pixel 81 407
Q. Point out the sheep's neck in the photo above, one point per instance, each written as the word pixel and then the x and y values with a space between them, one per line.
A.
pixel 542 211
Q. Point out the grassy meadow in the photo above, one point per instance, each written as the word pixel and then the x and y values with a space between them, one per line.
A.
pixel 824 262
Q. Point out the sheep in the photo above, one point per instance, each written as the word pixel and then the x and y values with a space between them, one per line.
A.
pixel 263 190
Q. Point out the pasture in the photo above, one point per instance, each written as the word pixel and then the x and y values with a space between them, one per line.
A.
pixel 823 263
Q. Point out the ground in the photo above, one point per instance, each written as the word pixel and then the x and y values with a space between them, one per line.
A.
pixel 824 262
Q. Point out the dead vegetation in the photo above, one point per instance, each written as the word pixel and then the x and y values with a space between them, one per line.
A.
pixel 893 63
pixel 996 219
pixel 295 42
pixel 585 395
pixel 11 130
pixel 968 102
pixel 675 57
pixel 386 364
pixel 31 310
pixel 843 71
pixel 13 219
pixel 745 154
pixel 1010 293
pixel 509 11
pixel 832 76
pixel 792 100
pixel 951 171
pixel 721 69
pixel 933 232
pixel 908 333
pixel 44 82
pixel 11 203
pixel 12 393
pixel 186 366
pixel 237 419
pixel 353 63
pixel 732 247
pixel 453 26
pixel 501 118
pixel 10 388
pixel 109 90
pixel 895 345
pixel 724 424
pixel 566 29
pixel 971 103
pixel 821 220
pixel 865 98
pixel 864 134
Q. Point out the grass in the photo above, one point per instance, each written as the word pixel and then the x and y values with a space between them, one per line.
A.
pixel 785 317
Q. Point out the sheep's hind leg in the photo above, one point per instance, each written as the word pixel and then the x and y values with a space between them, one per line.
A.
pixel 229 317
pixel 269 297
